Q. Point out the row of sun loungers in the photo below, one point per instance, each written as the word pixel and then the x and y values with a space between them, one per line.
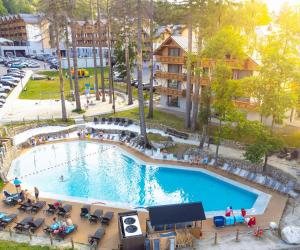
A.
pixel 260 179
pixel 115 121
pixel 61 211
pixel 97 215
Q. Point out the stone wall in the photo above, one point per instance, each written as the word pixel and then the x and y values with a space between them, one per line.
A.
pixel 7 155
pixel 271 171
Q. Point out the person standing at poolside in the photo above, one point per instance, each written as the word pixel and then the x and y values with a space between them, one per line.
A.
pixel 17 184
pixel 36 193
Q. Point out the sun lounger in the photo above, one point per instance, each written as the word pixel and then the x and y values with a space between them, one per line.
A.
pixel 96 121
pixel 103 120
pixel 22 225
pixel 117 121
pixel 26 206
pixel 67 231
pixel 122 122
pixel 96 237
pixel 110 121
pixel 107 217
pixel 85 210
pixel 6 220
pixel 212 162
pixel 35 225
pixel 65 210
pixel 156 244
pixel 37 206
pixel 51 209
pixel 260 179
pixel 243 173
pixel 96 216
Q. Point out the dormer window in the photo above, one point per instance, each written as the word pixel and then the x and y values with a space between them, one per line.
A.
pixel 174 52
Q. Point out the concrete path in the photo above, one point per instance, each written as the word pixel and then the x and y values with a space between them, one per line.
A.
pixel 16 109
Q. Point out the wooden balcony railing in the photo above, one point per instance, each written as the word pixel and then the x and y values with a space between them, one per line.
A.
pixel 170 91
pixel 232 63
pixel 171 76
pixel 171 59
pixel 245 105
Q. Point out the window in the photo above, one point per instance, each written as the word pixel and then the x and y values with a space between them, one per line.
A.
pixel 174 84
pixel 172 101
pixel 174 68
pixel 174 52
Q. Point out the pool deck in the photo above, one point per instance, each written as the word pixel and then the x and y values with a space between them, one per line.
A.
pixel 110 241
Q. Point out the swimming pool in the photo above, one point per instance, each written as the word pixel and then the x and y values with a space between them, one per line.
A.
pixel 105 173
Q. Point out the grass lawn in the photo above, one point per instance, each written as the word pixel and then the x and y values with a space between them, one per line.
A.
pixel 160 117
pixel 9 245
pixel 49 89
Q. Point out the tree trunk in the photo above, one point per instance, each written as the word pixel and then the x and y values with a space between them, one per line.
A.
pixel 60 73
pixel 69 63
pixel 100 53
pixel 75 60
pixel 128 70
pixel 110 74
pixel 139 69
pixel 187 120
pixel 96 87
pixel 265 163
pixel 197 89
pixel 219 141
pixel 150 112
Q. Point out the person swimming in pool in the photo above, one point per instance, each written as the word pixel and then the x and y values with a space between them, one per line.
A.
pixel 61 178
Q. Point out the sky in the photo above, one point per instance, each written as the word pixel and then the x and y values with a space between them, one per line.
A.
pixel 274 5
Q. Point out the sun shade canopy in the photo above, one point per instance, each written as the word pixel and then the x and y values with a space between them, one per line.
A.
pixel 176 213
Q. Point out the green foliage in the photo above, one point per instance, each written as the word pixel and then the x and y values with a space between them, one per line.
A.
pixel 264 143
pixel 5 245
pixel 119 52
pixel 226 42
pixel 3 10
pixel 20 6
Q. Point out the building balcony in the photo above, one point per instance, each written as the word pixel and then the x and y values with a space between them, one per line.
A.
pixel 169 91
pixel 171 59
pixel 245 105
pixel 171 76
pixel 204 81
pixel 232 63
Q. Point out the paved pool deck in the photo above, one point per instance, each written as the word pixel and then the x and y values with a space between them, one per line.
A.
pixel 110 241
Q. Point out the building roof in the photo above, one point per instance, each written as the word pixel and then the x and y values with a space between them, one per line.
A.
pixel 182 42
pixel 176 213
pixel 28 18
pixel 4 40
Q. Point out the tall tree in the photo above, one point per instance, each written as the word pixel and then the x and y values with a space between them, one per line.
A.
pixel 60 72
pixel 75 54
pixel 96 87
pixel 100 34
pixel 187 118
pixel 139 71
pixel 109 41
pixel 67 43
pixel 3 10
pixel 151 66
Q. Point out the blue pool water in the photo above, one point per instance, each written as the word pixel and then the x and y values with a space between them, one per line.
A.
pixel 104 172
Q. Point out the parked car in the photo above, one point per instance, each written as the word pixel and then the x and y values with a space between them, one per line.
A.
pixel 5 89
pixel 54 66
pixel 3 95
pixel 11 70
pixel 2 101
pixel 9 78
pixel 33 65
pixel 8 83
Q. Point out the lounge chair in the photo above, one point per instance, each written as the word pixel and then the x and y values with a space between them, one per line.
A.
pixel 96 237
pixel 109 120
pixel 37 206
pixel 122 122
pixel 65 210
pixel 35 225
pixel 103 120
pixel 85 210
pixel 96 120
pixel 23 224
pixel 117 121
pixel 26 206
pixel 96 216
pixel 4 221
pixel 107 217
pixel 51 209
pixel 156 244
pixel 219 221
pixel 67 231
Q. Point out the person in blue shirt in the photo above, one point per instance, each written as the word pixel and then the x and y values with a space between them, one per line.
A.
pixel 17 184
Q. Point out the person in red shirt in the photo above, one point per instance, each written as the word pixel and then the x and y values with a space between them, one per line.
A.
pixel 243 212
